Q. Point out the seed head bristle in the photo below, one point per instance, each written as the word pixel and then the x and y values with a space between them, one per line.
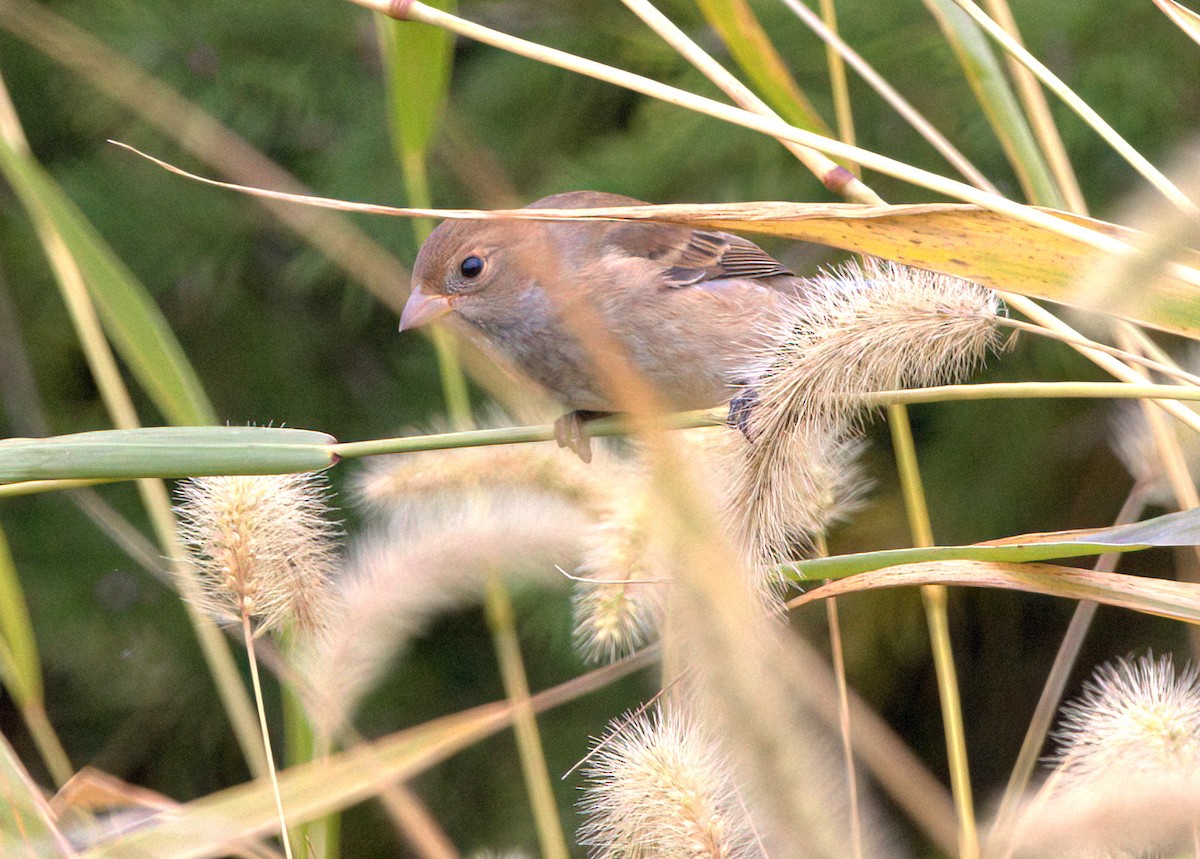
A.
pixel 660 787
pixel 259 545
pixel 426 560
pixel 857 329
pixel 623 610
pixel 523 467
pixel 786 491
pixel 1126 776
pixel 1132 717
pixel 866 327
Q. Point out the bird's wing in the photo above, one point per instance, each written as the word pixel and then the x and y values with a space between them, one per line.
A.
pixel 687 257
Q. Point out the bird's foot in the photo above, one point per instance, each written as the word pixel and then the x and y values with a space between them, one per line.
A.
pixel 570 431
pixel 740 409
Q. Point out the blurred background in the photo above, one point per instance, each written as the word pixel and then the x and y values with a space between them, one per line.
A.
pixel 278 334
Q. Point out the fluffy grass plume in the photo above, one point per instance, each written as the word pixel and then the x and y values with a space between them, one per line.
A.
pixel 428 559
pixel 622 610
pixel 259 545
pixel 870 326
pixel 659 786
pixel 1126 777
pixel 545 468
pixel 860 328
pixel 611 620
pixel 1134 717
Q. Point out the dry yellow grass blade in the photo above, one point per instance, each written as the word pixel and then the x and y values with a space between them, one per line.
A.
pixel 1174 600
pixel 957 239
pixel 973 243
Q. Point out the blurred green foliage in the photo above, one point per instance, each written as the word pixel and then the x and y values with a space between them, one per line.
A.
pixel 280 336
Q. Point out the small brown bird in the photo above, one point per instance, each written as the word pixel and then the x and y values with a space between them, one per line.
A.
pixel 689 308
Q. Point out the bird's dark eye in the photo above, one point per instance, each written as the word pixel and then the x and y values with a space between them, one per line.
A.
pixel 471 266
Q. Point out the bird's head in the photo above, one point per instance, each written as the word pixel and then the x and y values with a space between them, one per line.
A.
pixel 458 264
pixel 478 269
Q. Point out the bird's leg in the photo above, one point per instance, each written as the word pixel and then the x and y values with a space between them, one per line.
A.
pixel 740 409
pixel 570 431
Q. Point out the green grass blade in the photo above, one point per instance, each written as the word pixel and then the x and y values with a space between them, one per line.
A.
pixel 131 318
pixel 165 452
pixel 1171 529
pixel 752 50
pixel 418 60
pixel 20 670
pixel 986 76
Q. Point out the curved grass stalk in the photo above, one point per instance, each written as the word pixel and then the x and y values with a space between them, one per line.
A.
pixel 417 11
pixel 1055 84
pixel 832 175
pixel 889 94
pixel 1163 364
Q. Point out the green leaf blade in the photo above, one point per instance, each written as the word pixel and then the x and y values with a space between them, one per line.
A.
pixel 418 60
pixel 131 318
pixel 165 452
pixel 985 74
pixel 1171 529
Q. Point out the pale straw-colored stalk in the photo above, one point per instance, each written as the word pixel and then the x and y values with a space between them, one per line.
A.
pixel 899 103
pixel 832 175
pixel 1085 112
pixel 1041 121
pixel 417 11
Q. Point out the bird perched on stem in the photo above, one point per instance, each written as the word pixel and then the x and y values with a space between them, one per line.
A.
pixel 687 310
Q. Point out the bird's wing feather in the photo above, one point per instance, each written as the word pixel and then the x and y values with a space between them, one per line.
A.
pixel 690 257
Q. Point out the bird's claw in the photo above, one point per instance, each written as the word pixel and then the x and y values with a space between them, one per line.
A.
pixel 570 431
pixel 740 409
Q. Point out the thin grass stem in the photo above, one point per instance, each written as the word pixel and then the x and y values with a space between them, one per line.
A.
pixel 843 695
pixel 1055 84
pixel 1167 369
pixel 937 617
pixel 1056 682
pixel 248 635
pixel 899 103
pixel 499 610
pixel 831 174
pixel 838 84
pixel 1041 121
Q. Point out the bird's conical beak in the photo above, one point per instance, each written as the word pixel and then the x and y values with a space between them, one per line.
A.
pixel 423 308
